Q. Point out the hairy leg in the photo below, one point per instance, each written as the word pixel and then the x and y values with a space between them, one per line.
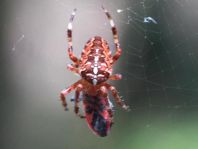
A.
pixel 115 77
pixel 65 92
pixel 77 95
pixel 69 36
pixel 117 98
pixel 103 92
pixel 72 68
pixel 115 37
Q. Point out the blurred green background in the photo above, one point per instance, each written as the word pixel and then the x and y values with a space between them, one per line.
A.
pixel 158 64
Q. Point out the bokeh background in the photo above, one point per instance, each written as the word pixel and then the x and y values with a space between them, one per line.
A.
pixel 159 65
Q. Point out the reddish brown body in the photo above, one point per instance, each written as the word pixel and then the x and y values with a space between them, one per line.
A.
pixel 98 113
pixel 95 68
pixel 95 64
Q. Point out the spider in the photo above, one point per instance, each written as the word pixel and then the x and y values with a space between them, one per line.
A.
pixel 95 68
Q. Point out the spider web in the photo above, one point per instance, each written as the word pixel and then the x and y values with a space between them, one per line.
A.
pixel 161 57
pixel 159 67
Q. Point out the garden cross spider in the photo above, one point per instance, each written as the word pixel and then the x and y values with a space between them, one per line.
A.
pixel 95 68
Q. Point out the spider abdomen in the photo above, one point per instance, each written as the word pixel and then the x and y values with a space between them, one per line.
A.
pixel 99 114
pixel 95 66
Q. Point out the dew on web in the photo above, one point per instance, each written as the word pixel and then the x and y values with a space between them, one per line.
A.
pixel 149 20
pixel 17 42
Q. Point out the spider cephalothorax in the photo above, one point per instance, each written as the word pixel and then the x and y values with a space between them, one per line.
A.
pixel 95 68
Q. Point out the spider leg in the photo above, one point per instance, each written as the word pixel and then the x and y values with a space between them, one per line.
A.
pixel 64 92
pixel 104 93
pixel 115 37
pixel 77 95
pixel 69 36
pixel 115 77
pixel 117 98
pixel 72 68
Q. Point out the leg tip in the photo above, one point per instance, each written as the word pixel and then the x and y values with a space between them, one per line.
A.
pixel 127 108
pixel 102 6
pixel 119 76
pixel 82 116
pixel 62 97
pixel 66 109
